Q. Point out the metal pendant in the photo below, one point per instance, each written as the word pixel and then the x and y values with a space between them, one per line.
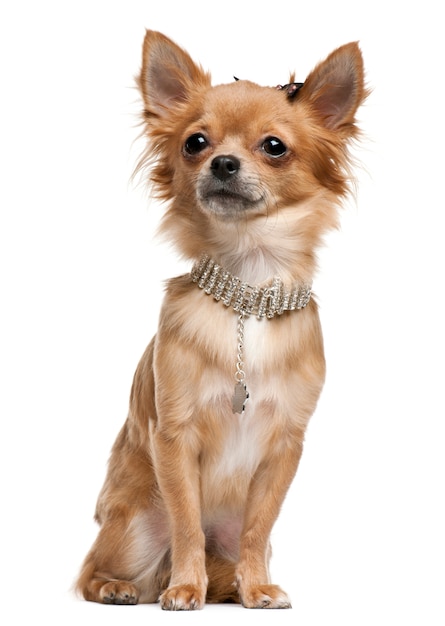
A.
pixel 240 398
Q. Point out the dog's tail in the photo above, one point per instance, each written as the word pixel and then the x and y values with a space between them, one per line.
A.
pixel 221 573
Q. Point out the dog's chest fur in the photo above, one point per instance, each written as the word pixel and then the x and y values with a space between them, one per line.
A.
pixel 234 445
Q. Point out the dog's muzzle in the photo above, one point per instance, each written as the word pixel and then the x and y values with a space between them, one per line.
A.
pixel 226 190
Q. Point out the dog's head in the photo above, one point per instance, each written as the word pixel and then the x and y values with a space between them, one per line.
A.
pixel 242 154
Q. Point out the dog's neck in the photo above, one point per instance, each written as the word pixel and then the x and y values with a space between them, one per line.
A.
pixel 261 248
pixel 263 300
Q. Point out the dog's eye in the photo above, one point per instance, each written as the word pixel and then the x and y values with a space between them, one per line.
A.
pixel 274 147
pixel 195 144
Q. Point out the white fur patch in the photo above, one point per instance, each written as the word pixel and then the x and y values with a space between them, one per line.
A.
pixel 149 540
pixel 242 447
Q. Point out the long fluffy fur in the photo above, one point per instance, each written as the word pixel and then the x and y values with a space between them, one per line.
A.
pixel 192 490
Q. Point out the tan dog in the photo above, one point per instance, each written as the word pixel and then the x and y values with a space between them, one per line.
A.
pixel 223 394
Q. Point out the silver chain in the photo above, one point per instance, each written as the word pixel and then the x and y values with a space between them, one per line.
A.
pixel 240 374
pixel 262 301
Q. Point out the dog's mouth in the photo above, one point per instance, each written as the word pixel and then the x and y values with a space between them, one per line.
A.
pixel 227 203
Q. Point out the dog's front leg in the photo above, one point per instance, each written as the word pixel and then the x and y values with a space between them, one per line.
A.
pixel 178 475
pixel 267 491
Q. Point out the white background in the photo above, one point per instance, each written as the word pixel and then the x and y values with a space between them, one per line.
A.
pixel 361 536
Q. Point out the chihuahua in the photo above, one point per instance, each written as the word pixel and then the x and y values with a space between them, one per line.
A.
pixel 253 178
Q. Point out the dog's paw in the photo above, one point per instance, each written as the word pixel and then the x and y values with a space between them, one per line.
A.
pixel 182 598
pixel 264 597
pixel 118 592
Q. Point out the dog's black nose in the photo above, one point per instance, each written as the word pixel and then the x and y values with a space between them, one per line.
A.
pixel 224 166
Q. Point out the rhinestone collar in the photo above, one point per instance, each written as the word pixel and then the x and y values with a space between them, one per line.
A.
pixel 265 301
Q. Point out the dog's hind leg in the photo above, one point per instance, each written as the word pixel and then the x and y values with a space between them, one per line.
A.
pixel 103 577
pixel 124 563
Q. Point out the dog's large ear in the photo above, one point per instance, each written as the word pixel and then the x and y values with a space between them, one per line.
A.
pixel 168 74
pixel 335 88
